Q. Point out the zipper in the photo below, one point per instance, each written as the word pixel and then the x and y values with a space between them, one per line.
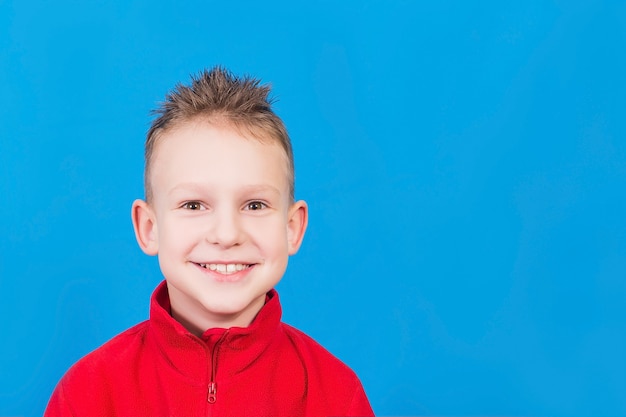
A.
pixel 212 394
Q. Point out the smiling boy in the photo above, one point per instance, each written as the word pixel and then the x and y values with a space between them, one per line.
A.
pixel 220 214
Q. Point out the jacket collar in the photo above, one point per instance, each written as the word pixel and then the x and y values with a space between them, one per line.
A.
pixel 193 357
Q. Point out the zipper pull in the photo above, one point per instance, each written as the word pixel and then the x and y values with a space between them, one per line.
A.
pixel 212 392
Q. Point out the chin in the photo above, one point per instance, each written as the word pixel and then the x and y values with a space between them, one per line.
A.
pixel 229 307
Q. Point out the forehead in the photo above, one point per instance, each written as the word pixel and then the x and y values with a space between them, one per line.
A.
pixel 219 156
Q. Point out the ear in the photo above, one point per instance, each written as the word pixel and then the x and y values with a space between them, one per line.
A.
pixel 298 218
pixel 144 223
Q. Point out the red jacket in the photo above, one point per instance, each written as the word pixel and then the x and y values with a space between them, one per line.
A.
pixel 158 368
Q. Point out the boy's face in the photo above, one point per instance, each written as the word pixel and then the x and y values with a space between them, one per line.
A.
pixel 221 222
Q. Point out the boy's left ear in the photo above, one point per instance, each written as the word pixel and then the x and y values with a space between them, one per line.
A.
pixel 296 225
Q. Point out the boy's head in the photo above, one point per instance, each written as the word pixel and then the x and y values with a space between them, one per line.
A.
pixel 219 208
pixel 220 98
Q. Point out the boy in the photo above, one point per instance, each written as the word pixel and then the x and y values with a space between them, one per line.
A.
pixel 221 216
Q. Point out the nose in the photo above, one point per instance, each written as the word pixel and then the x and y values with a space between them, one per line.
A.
pixel 226 229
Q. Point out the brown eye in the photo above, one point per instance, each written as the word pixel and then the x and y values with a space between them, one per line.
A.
pixel 255 205
pixel 192 205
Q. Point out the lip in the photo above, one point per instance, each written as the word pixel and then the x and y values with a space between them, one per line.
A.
pixel 223 276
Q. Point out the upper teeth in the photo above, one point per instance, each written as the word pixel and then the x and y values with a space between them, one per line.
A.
pixel 225 268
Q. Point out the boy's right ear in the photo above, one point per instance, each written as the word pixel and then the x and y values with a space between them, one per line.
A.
pixel 144 223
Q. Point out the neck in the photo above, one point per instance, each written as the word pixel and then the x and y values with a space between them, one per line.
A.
pixel 197 319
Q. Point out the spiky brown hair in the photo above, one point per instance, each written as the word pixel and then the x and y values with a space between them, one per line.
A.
pixel 218 96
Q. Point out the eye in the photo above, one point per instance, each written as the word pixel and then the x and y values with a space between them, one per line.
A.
pixel 255 205
pixel 192 205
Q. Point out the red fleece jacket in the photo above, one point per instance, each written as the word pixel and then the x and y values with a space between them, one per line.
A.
pixel 158 368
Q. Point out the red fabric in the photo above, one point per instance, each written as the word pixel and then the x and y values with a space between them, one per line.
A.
pixel 158 368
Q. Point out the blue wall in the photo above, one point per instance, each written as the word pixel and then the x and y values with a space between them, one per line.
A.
pixel 465 165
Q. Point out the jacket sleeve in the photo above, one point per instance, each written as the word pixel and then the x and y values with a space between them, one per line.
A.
pixel 58 406
pixel 360 405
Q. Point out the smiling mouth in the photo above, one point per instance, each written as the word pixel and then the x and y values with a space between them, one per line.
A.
pixel 226 269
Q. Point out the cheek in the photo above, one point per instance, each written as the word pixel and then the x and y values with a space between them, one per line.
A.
pixel 178 235
pixel 270 236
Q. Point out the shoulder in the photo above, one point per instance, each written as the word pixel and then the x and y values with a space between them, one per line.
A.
pixel 329 381
pixel 303 340
pixel 120 351
pixel 88 387
pixel 316 357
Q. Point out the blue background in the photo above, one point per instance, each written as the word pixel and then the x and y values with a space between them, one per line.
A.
pixel 464 162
